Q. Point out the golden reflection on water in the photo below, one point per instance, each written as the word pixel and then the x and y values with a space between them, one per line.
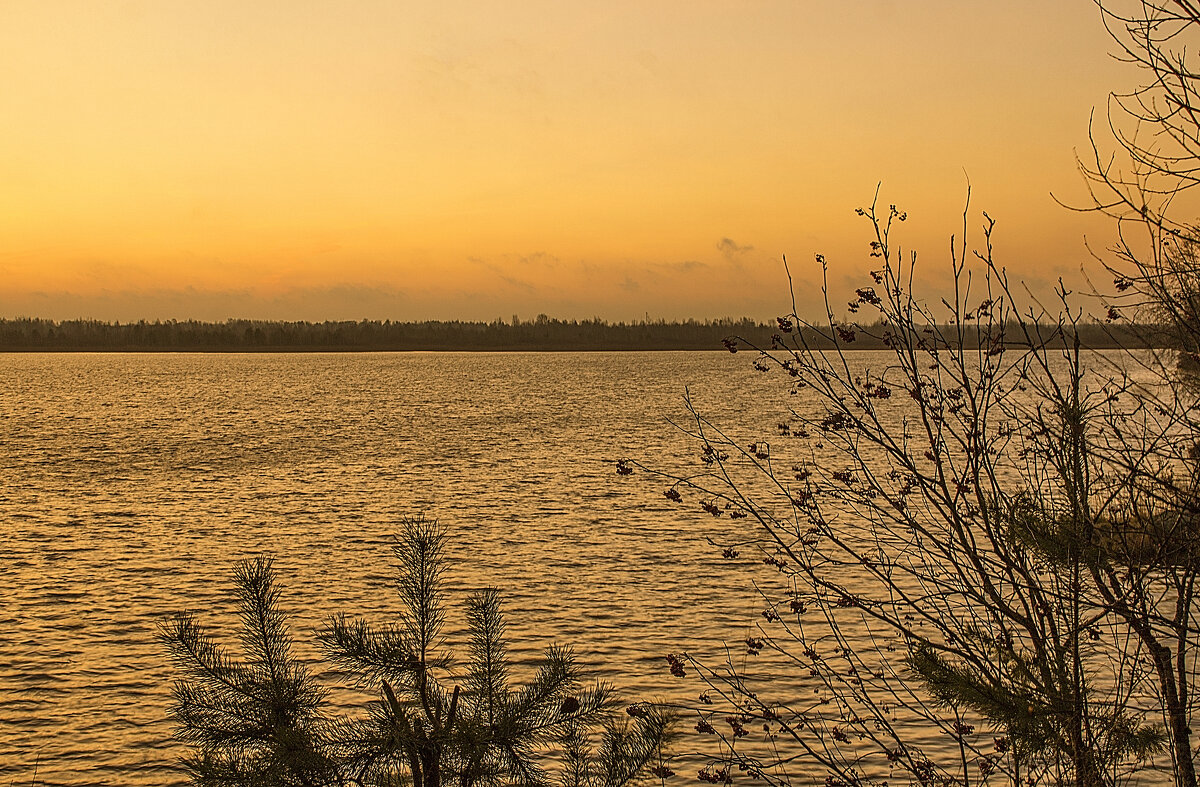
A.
pixel 130 485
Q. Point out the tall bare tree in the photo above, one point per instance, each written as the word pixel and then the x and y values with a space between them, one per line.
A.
pixel 1143 174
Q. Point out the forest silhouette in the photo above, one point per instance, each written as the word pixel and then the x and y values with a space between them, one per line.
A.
pixel 541 334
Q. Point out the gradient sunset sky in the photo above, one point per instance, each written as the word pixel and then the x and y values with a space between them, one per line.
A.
pixel 412 159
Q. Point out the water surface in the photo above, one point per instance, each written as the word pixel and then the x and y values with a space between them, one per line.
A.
pixel 130 485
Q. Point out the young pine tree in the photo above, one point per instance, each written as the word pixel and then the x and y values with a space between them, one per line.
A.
pixel 261 722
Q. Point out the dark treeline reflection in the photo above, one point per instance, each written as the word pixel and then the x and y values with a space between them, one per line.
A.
pixel 542 333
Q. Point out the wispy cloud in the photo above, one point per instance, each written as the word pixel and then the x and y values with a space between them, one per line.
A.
pixel 506 267
pixel 730 247
pixel 686 266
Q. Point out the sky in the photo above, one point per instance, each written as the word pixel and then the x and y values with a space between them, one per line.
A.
pixel 474 159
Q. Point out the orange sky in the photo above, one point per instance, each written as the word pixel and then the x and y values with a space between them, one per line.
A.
pixel 471 159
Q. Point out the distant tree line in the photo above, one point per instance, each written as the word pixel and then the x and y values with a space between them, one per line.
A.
pixel 541 334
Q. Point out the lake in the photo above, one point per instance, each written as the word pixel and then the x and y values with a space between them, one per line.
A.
pixel 131 484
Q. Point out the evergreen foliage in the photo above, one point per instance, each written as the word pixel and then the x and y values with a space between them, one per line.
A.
pixel 263 722
pixel 257 721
